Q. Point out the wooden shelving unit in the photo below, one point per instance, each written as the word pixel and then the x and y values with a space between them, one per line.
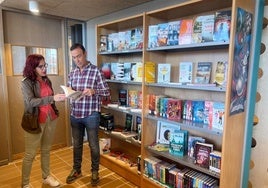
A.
pixel 230 141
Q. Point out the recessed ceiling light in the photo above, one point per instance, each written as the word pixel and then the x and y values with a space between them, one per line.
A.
pixel 33 6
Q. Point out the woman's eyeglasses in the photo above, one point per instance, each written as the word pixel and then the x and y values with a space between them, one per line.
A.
pixel 42 66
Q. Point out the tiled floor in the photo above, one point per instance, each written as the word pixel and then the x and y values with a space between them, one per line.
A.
pixel 61 165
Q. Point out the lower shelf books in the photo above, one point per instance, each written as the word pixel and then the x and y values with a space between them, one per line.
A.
pixel 215 161
pixel 169 175
pixel 192 140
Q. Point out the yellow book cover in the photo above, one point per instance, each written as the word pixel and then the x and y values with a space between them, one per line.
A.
pixel 150 72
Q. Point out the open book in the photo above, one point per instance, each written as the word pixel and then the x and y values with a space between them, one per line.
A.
pixel 70 93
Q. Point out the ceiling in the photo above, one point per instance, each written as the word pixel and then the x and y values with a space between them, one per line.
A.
pixel 75 9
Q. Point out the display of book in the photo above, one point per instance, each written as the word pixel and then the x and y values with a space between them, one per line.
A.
pixel 72 94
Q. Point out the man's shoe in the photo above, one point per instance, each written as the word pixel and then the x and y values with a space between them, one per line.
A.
pixel 51 181
pixel 74 175
pixel 95 178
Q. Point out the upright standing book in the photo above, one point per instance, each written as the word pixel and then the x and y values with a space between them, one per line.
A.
pixel 186 28
pixel 152 36
pixel 202 154
pixel 185 72
pixel 203 73
pixel 222 26
pixel 128 122
pixel 163 73
pixel 221 73
pixel 178 142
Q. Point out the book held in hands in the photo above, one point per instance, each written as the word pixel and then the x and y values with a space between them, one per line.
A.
pixel 72 94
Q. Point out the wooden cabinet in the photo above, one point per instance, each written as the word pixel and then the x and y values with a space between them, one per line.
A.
pixel 231 140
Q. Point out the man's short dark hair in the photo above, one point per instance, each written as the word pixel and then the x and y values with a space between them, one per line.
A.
pixel 77 45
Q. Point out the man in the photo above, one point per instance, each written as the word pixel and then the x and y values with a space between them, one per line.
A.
pixel 85 111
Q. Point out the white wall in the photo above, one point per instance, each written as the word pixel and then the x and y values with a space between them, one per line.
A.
pixel 258 175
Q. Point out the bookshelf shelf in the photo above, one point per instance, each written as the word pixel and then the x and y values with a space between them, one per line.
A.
pixel 121 168
pixel 184 124
pixel 199 46
pixel 119 136
pixel 174 85
pixel 139 51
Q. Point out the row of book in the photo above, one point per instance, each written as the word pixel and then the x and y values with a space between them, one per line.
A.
pixel 121 41
pixel 168 174
pixel 189 72
pixel 196 111
pixel 177 142
pixel 199 29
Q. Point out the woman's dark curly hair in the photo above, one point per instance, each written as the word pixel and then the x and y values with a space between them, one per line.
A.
pixel 31 63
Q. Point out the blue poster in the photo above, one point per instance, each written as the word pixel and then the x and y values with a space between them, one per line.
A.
pixel 240 61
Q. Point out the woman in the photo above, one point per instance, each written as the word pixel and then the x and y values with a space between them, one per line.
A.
pixel 37 92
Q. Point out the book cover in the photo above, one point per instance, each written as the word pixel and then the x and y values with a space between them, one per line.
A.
pixel 221 73
pixel 150 72
pixel 123 97
pixel 138 127
pixel 202 154
pixel 192 140
pixel 208 27
pixel 203 73
pixel 121 40
pixel 164 107
pixel 186 29
pixel 158 104
pixel 198 111
pixel 173 33
pixel 151 103
pixel 105 145
pixel 137 72
pixel 197 29
pixel 106 70
pixel 222 26
pixel 113 70
pixel 178 142
pixel 128 122
pixel 187 110
pixel 185 72
pixel 163 73
pixel 127 71
pixel 215 161
pixel 218 115
pixel 163 131
pixel 133 98
pixel 152 36
pixel 208 113
pixel 174 109
pixel 72 94
pixel 119 75
pixel 103 43
pixel 162 34
pixel 139 38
